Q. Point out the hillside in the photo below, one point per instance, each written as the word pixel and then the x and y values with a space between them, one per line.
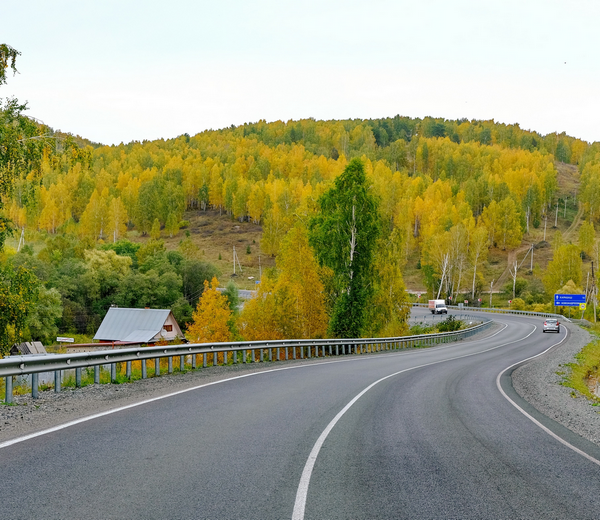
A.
pixel 459 202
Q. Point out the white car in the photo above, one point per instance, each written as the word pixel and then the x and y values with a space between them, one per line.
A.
pixel 551 324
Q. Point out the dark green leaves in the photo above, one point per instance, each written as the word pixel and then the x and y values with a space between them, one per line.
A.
pixel 344 234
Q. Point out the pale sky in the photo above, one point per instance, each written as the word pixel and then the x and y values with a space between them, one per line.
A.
pixel 116 71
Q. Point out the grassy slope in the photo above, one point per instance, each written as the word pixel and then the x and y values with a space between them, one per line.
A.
pixel 216 234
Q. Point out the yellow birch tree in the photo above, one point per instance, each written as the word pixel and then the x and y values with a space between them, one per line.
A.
pixel 211 317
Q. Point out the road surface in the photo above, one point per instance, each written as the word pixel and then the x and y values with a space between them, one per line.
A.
pixel 418 434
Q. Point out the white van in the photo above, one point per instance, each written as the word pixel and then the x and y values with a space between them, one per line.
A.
pixel 438 307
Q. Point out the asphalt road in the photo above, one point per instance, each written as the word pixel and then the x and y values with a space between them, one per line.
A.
pixel 431 436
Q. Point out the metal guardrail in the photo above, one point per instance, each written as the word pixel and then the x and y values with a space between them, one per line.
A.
pixel 500 311
pixel 251 352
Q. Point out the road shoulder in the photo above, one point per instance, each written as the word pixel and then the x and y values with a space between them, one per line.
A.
pixel 539 384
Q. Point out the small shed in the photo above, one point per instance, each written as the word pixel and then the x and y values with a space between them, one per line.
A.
pixel 138 326
pixel 27 348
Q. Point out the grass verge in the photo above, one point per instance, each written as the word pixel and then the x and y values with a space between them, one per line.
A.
pixel 584 373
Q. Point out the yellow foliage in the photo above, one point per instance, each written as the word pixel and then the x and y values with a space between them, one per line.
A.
pixel 259 319
pixel 293 305
pixel 211 317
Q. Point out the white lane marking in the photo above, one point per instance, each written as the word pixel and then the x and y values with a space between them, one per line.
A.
pixel 24 438
pixel 302 493
pixel 533 419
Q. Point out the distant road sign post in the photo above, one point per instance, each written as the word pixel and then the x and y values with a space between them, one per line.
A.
pixel 569 300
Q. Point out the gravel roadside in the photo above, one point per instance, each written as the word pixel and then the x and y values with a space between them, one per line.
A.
pixel 538 383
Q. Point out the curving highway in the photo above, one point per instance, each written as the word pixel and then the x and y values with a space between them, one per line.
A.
pixel 432 433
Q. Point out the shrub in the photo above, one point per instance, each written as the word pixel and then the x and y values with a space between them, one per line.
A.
pixel 518 304
pixel 450 324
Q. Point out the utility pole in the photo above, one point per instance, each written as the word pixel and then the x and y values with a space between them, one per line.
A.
pixel 531 268
pixel 491 288
pixel 586 293
pixel 21 240
pixel 556 218
pixel 235 258
pixel 594 291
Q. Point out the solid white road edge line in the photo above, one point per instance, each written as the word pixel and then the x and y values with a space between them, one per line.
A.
pixel 302 493
pixel 533 419
pixel 24 438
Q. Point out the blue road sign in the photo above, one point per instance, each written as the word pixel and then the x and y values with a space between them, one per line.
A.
pixel 568 300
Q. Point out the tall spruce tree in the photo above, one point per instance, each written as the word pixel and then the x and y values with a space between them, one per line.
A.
pixel 344 234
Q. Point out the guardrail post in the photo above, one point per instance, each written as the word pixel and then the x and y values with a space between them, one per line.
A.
pixel 330 350
pixel 286 354
pixel 77 378
pixel 96 374
pixel 144 369
pixel 271 355
pixel 57 380
pixel 182 363
pixel 128 369
pixel 309 351
pixel 170 364
pixel 8 394
pixel 235 356
pixel 215 359
pixel 35 379
pixel 204 360
pixel 194 361
pixel 294 352
pixel 113 372
pixel 157 367
pixel 278 354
